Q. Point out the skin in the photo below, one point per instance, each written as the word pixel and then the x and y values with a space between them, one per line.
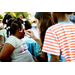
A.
pixel 21 16
pixel 8 48
pixel 1 40
pixel 60 17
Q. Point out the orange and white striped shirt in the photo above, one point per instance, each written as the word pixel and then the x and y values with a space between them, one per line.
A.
pixel 60 40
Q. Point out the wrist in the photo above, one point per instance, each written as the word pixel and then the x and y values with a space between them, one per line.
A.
pixel 34 38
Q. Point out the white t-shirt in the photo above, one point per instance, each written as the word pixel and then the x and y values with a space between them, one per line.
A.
pixel 20 53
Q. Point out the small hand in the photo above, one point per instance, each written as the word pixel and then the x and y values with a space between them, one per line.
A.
pixel 30 33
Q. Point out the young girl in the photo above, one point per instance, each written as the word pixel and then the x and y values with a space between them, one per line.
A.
pixel 14 48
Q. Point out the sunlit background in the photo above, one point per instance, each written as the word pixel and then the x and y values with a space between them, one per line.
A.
pixel 32 13
pixel 30 16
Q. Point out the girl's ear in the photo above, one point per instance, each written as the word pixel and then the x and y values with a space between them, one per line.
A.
pixel 19 30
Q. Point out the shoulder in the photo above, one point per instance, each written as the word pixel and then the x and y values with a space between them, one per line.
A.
pixel 3 31
pixel 12 37
pixel 54 27
pixel 11 40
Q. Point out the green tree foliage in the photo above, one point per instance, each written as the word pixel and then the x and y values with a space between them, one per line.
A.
pixel 1 17
pixel 17 14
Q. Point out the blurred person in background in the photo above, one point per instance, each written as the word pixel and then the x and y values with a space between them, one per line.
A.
pixel 22 17
pixel 1 24
pixel 34 25
pixel 3 32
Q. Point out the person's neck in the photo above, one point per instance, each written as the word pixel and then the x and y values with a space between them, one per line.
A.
pixel 16 36
pixel 64 18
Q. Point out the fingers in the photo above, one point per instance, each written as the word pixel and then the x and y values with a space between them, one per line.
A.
pixel 28 31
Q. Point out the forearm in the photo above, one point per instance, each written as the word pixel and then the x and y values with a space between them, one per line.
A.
pixel 38 41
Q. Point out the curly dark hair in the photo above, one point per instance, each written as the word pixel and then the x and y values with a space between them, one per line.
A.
pixel 6 17
pixel 17 23
pixel 9 25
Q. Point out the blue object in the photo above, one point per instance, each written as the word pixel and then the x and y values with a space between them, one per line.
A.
pixel 63 59
pixel 34 25
pixel 7 36
pixel 72 18
pixel 33 47
pixel 49 57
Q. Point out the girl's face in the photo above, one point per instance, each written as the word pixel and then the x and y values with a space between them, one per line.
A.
pixel 37 23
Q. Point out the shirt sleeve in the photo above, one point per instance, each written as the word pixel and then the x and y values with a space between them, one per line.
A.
pixel 51 44
pixel 12 41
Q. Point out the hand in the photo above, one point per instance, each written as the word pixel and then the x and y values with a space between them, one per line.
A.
pixel 30 33
pixel 35 59
pixel 2 45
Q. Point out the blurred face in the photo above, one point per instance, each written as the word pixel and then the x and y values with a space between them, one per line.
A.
pixel 37 23
pixel 21 16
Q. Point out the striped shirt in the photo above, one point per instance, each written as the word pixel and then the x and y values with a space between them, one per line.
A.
pixel 60 40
